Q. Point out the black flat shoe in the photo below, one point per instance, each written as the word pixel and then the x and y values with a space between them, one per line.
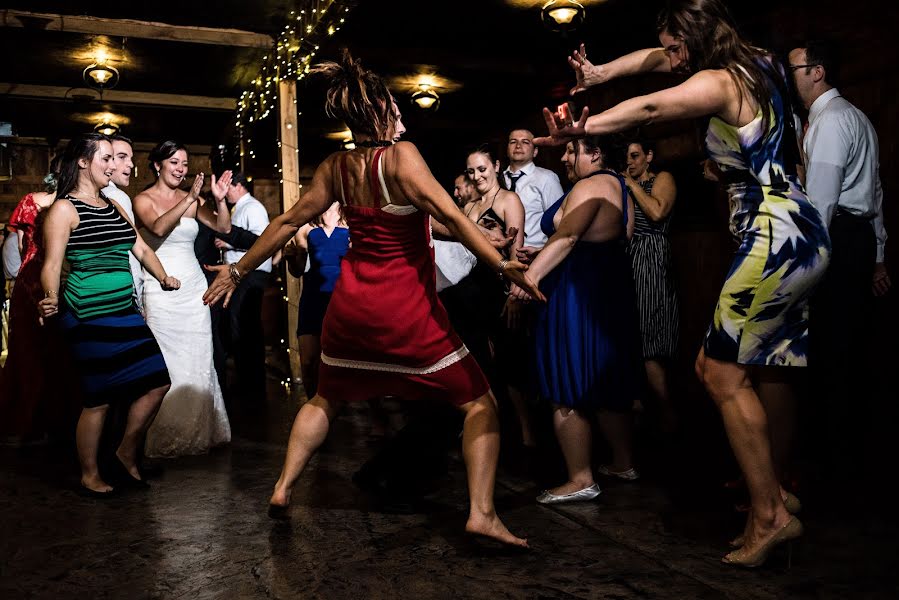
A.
pixel 278 513
pixel 86 492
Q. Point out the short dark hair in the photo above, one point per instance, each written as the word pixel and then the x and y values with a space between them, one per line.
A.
pixel 239 178
pixel 121 138
pixel 824 53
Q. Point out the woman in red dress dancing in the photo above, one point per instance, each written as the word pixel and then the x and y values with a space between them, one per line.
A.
pixel 385 332
pixel 37 396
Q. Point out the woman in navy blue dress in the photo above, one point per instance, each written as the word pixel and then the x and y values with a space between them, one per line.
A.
pixel 325 240
pixel 587 335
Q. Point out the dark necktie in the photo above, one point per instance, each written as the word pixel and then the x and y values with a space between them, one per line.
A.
pixel 513 179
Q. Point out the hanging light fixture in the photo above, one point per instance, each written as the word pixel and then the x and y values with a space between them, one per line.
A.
pixel 563 15
pixel 106 128
pixel 426 98
pixel 100 75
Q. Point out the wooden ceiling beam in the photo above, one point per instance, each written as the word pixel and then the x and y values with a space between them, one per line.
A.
pixel 52 92
pixel 135 29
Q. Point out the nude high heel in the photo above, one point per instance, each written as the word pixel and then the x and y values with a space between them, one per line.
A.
pixel 787 533
pixel 793 506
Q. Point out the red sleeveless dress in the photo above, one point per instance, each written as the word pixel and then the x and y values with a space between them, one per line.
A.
pixel 385 332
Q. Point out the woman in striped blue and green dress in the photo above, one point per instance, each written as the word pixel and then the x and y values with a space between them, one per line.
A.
pixel 115 352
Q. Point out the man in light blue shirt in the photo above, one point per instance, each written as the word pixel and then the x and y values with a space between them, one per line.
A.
pixel 843 183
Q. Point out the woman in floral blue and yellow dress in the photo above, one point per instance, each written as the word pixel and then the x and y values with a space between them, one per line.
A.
pixel 761 320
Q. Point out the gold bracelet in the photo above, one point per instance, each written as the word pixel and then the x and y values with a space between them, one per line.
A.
pixel 502 266
pixel 51 294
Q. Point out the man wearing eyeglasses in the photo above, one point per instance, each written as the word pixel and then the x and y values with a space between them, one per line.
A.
pixel 843 183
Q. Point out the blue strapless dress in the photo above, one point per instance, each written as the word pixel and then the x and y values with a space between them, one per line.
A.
pixel 587 335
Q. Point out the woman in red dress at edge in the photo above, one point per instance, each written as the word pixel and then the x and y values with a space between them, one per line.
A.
pixel 32 403
pixel 385 332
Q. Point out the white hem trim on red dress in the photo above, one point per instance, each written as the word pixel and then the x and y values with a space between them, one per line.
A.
pixel 450 359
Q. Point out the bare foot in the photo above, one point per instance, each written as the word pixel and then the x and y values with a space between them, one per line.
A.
pixel 95 484
pixel 490 526
pixel 130 465
pixel 280 497
pixel 570 487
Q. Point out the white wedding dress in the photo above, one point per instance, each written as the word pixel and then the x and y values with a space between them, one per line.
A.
pixel 192 418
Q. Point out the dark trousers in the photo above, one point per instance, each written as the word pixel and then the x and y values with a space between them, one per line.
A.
pixel 246 339
pixel 216 313
pixel 840 353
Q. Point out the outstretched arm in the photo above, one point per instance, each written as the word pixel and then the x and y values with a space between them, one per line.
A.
pixel 314 202
pixel 641 61
pixel 705 93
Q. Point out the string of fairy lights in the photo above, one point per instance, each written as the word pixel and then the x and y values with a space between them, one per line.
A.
pixel 289 59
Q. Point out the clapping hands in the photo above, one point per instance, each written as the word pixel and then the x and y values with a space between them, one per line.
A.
pixel 221 185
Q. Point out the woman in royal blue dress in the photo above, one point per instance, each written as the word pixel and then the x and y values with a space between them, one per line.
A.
pixel 324 241
pixel 587 335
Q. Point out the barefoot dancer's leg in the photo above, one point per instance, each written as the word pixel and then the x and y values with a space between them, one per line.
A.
pixel 310 428
pixel 87 441
pixel 747 429
pixel 140 417
pixel 480 448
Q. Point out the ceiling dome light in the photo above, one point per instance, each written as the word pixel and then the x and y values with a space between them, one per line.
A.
pixel 426 98
pixel 106 128
pixel 100 75
pixel 563 15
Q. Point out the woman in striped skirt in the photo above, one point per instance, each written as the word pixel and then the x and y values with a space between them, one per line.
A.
pixel 650 252
pixel 115 353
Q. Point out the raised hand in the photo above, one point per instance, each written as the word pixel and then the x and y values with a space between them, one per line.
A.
pixel 586 72
pixel 196 188
pixel 514 271
pixel 220 186
pixel 221 287
pixel 561 129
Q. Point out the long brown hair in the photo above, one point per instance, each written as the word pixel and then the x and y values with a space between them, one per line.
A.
pixel 713 42
pixel 357 96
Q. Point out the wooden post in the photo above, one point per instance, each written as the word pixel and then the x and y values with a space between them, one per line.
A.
pixel 289 162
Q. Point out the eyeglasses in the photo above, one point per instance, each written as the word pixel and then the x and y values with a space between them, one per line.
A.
pixel 795 67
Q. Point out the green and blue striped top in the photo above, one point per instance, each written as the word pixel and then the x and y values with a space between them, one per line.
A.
pixel 100 280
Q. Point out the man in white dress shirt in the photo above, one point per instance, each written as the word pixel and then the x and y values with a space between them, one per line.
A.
pixel 537 187
pixel 245 309
pixel 123 154
pixel 843 183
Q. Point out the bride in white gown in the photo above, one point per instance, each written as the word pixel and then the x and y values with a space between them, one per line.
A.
pixel 192 417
